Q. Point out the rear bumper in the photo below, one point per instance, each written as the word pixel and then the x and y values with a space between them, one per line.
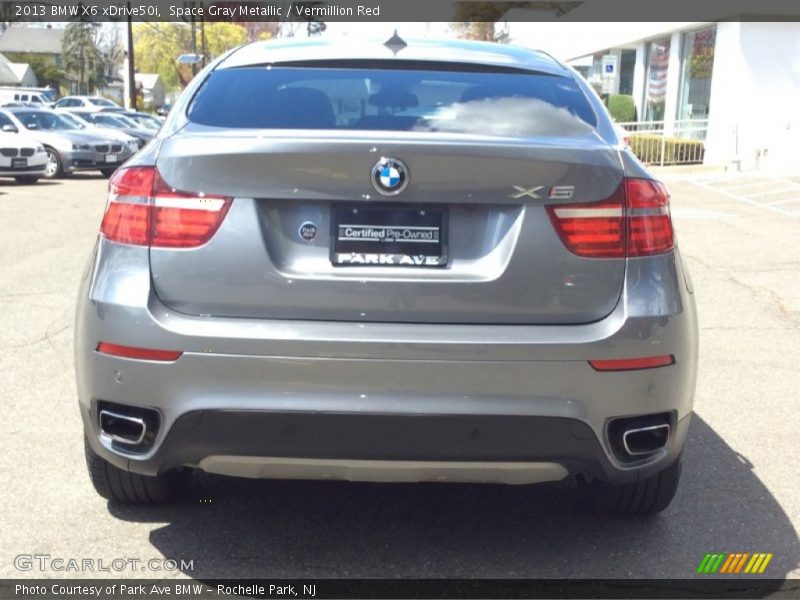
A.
pixel 388 447
pixel 248 389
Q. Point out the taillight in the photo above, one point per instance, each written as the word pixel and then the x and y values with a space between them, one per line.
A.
pixel 144 210
pixel 594 230
pixel 634 221
pixel 127 218
pixel 649 223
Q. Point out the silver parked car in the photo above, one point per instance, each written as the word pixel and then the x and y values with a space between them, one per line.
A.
pixel 133 143
pixel 359 263
pixel 69 148
pixel 119 122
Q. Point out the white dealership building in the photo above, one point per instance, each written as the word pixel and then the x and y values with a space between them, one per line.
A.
pixel 735 84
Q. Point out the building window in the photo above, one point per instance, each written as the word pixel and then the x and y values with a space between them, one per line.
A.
pixel 627 63
pixel 655 91
pixel 697 63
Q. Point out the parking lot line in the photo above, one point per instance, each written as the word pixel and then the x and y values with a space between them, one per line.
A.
pixel 783 202
pixel 773 192
pixel 745 199
pixel 744 185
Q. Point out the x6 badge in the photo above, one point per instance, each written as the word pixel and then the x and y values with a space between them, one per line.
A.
pixel 557 192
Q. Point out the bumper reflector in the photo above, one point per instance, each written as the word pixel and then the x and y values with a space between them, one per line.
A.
pixel 633 364
pixel 138 353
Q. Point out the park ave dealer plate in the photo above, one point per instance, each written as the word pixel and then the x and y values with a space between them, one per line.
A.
pixel 403 236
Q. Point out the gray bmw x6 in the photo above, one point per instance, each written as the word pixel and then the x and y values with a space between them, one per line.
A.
pixel 352 262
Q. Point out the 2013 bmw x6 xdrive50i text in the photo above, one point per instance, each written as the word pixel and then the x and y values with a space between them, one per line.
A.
pixel 336 261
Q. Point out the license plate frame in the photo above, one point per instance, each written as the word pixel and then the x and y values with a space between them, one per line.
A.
pixel 111 158
pixel 19 163
pixel 389 235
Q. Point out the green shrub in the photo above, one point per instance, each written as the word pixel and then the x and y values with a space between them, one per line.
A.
pixel 622 108
pixel 647 148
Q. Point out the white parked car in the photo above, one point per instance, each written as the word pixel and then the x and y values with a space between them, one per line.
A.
pixel 92 103
pixel 21 156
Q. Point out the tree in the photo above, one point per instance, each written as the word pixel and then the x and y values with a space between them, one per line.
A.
pixel 47 73
pixel 159 44
pixel 112 45
pixel 81 57
pixel 476 20
pixel 260 30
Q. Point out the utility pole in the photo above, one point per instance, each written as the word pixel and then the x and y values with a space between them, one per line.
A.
pixel 194 44
pixel 203 38
pixel 131 69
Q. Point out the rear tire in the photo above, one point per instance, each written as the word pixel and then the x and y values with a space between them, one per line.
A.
pixel 643 497
pixel 113 483
pixel 27 179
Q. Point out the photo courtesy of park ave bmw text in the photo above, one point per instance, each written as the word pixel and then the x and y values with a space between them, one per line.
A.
pixel 382 299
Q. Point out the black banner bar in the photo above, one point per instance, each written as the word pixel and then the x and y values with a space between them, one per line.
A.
pixel 321 589
pixel 398 10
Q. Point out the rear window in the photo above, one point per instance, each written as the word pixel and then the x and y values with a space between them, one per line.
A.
pixel 482 103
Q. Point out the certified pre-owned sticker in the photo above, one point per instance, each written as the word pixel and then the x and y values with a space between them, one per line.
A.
pixel 389 233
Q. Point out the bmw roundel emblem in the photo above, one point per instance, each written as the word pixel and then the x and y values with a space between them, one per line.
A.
pixel 389 176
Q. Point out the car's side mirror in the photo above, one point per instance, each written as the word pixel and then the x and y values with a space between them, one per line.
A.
pixel 10 129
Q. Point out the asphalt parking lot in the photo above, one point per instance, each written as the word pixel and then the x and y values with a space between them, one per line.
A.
pixel 740 490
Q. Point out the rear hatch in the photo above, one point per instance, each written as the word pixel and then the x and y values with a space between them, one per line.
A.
pixel 313 187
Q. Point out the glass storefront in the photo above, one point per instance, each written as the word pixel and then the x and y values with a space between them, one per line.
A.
pixel 656 79
pixel 697 64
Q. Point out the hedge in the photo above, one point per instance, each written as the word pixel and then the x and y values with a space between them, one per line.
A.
pixel 622 108
pixel 647 148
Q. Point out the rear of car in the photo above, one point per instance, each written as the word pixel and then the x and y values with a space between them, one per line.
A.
pixel 438 265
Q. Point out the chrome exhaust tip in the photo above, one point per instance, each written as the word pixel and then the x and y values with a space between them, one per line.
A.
pixel 122 428
pixel 645 440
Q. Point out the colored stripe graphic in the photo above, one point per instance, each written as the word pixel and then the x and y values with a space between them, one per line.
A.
pixel 734 562
pixel 764 564
pixel 726 566
pixel 753 564
pixel 703 563
pixel 741 562
pixel 718 563
pixel 710 563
